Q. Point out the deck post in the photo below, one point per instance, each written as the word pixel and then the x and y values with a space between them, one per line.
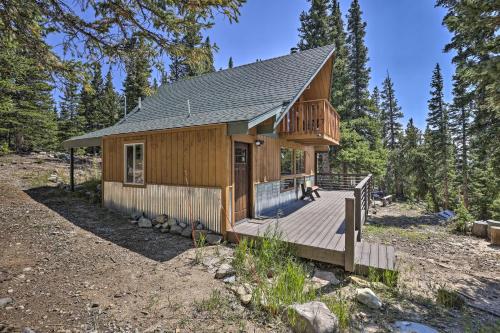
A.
pixel 72 169
pixel 350 242
pixel 357 197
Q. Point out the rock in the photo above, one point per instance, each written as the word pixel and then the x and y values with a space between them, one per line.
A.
pixel 359 281
pixel 213 239
pixel 230 279
pixel 223 271
pixel 175 229
pixel 136 215
pixel 494 235
pixel 53 178
pixel 182 224
pixel 314 317
pixel 245 299
pixel 144 223
pixel 4 301
pixel 367 297
pixel 411 327
pixel 27 330
pixel 198 233
pixel 160 219
pixel 480 229
pixel 324 278
pixel 186 232
pixel 164 230
pixel 171 221
pixel 199 225
pixel 492 223
pixel 133 221
pixel 158 226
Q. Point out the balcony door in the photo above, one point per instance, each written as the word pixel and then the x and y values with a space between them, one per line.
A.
pixel 241 180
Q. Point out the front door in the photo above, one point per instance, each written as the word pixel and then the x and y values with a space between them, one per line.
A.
pixel 241 182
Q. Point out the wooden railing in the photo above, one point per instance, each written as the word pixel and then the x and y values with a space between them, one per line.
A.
pixel 312 117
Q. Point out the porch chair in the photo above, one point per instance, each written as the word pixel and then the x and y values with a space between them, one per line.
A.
pixel 308 189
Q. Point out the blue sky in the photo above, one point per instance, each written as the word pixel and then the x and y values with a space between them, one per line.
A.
pixel 404 37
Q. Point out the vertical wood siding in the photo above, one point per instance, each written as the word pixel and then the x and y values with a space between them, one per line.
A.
pixel 183 203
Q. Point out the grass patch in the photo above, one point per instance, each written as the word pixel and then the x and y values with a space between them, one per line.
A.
pixel 341 307
pixel 200 246
pixel 449 298
pixel 278 275
pixel 382 231
pixel 215 302
pixel 39 179
pixel 385 276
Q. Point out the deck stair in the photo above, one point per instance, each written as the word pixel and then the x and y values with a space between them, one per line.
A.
pixel 374 255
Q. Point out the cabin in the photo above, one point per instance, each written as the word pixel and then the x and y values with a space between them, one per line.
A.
pixel 234 149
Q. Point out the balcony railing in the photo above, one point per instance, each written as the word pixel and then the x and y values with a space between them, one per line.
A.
pixel 310 121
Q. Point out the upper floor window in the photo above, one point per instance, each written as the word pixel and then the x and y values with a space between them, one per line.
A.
pixel 134 163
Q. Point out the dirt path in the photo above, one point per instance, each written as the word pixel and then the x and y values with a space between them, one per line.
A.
pixel 68 264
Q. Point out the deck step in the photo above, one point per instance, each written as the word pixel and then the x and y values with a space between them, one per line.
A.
pixel 374 255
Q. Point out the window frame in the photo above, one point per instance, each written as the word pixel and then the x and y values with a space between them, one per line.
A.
pixel 303 159
pixel 292 160
pixel 134 144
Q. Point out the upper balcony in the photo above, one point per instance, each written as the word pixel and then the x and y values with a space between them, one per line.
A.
pixel 311 123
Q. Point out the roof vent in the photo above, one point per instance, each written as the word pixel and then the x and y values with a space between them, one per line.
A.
pixel 294 50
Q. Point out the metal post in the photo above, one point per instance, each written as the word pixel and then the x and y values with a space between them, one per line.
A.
pixel 72 170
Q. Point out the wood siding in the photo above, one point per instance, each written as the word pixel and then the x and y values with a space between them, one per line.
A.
pixel 196 156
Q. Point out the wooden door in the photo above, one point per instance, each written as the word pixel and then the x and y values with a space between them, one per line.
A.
pixel 241 180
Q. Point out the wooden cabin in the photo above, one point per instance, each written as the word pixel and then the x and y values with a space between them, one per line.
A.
pixel 224 146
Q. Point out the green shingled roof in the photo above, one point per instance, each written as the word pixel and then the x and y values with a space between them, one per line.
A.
pixel 238 94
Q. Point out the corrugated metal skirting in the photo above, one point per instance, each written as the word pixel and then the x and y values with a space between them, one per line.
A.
pixel 183 203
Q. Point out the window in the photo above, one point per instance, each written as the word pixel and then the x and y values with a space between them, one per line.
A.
pixel 240 155
pixel 300 159
pixel 286 161
pixel 134 163
pixel 287 184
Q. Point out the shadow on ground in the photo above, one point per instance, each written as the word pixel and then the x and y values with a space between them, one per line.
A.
pixel 404 221
pixel 109 225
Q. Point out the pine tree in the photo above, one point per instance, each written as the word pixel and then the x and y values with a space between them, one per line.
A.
pixel 70 123
pixel 110 102
pixel 358 59
pixel 208 64
pixel 314 28
pixel 439 137
pixel 341 83
pixel 413 161
pixel 230 63
pixel 138 70
pixel 391 114
pixel 90 99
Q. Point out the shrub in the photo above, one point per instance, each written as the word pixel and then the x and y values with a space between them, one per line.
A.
pixel 449 298
pixel 341 307
pixel 4 149
pixel 462 219
pixel 386 276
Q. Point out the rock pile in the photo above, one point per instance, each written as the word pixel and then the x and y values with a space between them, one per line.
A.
pixel 163 223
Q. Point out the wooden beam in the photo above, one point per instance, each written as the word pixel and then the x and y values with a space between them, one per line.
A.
pixel 72 169
pixel 350 242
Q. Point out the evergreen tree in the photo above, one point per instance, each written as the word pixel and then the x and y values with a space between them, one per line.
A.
pixel 391 114
pixel 314 28
pixel 208 64
pixel 90 99
pixel 138 70
pixel 358 59
pixel 413 162
pixel 439 138
pixel 230 63
pixel 109 102
pixel 70 123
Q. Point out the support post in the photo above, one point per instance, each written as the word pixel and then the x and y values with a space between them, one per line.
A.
pixel 350 242
pixel 72 170
pixel 357 197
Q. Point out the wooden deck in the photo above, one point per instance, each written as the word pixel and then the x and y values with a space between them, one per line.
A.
pixel 317 230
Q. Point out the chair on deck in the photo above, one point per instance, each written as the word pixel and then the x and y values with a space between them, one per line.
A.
pixel 308 189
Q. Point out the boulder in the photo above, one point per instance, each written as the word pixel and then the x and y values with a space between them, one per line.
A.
pixel 144 223
pixel 223 271
pixel 411 327
pixel 495 235
pixel 230 279
pixel 213 239
pixel 187 232
pixel 159 219
pixel 171 221
pixel 314 317
pixel 480 229
pixel 5 301
pixel 367 297
pixel 492 223
pixel 324 278
pixel 175 229
pixel 182 224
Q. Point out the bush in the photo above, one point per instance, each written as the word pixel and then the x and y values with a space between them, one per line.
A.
pixel 462 219
pixel 4 149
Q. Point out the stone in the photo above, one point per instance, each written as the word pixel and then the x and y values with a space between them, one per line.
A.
pixel 144 223
pixel 160 219
pixel 164 230
pixel 171 221
pixel 198 233
pixel 314 317
pixel 53 178
pixel 182 224
pixel 133 221
pixel 411 327
pixel 494 235
pixel 223 271
pixel 480 229
pixel 186 232
pixel 245 299
pixel 158 226
pixel 213 239
pixel 492 223
pixel 359 281
pixel 199 225
pixel 175 229
pixel 27 330
pixel 367 297
pixel 324 278
pixel 136 215
pixel 230 279
pixel 5 301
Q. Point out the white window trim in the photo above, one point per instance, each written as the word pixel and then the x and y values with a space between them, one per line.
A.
pixel 133 163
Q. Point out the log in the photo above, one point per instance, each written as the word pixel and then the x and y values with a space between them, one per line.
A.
pixel 495 235
pixel 480 229
pixel 492 223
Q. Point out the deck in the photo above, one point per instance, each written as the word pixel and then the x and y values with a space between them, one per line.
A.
pixel 317 229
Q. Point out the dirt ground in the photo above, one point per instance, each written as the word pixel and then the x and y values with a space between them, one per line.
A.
pixel 69 265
